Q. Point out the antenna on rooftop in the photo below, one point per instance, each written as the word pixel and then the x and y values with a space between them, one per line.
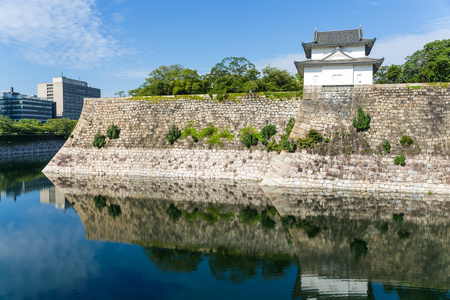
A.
pixel 62 74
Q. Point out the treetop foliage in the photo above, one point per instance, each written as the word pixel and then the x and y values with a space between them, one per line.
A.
pixel 62 127
pixel 431 64
pixel 231 75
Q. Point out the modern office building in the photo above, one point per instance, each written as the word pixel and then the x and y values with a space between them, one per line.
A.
pixel 68 94
pixel 18 106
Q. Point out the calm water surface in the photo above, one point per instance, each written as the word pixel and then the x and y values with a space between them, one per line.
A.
pixel 123 238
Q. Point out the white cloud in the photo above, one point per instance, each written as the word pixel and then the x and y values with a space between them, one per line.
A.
pixel 397 47
pixel 57 32
pixel 285 62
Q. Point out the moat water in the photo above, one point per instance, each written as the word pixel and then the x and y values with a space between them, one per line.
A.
pixel 133 238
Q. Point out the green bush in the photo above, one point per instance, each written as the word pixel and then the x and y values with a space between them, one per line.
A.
pixel 209 131
pixel 362 122
pixel 289 221
pixel 217 138
pixel 249 136
pixel 99 140
pixel 309 227
pixel 267 132
pixel 272 146
pixel 113 132
pixel 313 137
pixel 190 130
pixel 406 140
pixel 290 146
pixel 387 146
pixel 288 129
pixel 173 134
pixel 399 160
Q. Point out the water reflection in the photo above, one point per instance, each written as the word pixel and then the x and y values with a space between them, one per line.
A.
pixel 343 244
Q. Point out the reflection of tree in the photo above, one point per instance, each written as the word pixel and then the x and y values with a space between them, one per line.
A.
pixel 174 260
pixel 12 173
pixel 233 267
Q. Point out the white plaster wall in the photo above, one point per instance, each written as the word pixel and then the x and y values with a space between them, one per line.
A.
pixel 320 53
pixel 355 51
pixel 337 75
pixel 363 74
pixel 313 76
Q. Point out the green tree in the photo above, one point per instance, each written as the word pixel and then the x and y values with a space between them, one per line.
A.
pixel 6 125
pixel 277 80
pixel 431 64
pixel 62 127
pixel 233 75
pixel 389 74
pixel 170 80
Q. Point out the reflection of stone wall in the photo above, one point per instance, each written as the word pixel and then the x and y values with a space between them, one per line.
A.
pixel 341 216
pixel 418 208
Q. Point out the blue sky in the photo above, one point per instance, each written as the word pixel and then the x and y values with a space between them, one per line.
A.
pixel 114 44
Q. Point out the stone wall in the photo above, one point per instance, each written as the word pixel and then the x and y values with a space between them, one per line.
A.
pixel 357 161
pixel 142 148
pixel 351 160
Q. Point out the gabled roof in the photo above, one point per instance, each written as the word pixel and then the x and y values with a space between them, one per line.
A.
pixel 340 38
pixel 300 65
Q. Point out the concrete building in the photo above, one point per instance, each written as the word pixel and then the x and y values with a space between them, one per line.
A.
pixel 18 106
pixel 68 94
pixel 338 58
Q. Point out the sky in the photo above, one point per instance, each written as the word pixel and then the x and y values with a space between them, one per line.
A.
pixel 115 44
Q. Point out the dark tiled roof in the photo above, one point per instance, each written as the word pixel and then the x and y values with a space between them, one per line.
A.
pixel 355 61
pixel 338 38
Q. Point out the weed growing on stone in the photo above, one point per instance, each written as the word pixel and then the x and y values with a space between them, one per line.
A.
pixel 403 234
pixel 173 134
pixel 173 212
pixel 190 130
pixel 387 146
pixel 112 132
pixel 267 132
pixel 406 140
pixel 398 218
pixel 362 122
pixel 208 131
pixel 249 136
pixel 99 140
pixel 359 248
pixel 399 160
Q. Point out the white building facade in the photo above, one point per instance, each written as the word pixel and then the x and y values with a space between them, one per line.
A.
pixel 68 94
pixel 338 58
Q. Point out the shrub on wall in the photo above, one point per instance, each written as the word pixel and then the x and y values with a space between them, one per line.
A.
pixel 190 130
pixel 406 140
pixel 113 132
pixel 217 138
pixel 209 131
pixel 249 136
pixel 387 146
pixel 99 140
pixel 173 134
pixel 267 132
pixel 313 137
pixel 399 160
pixel 362 122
